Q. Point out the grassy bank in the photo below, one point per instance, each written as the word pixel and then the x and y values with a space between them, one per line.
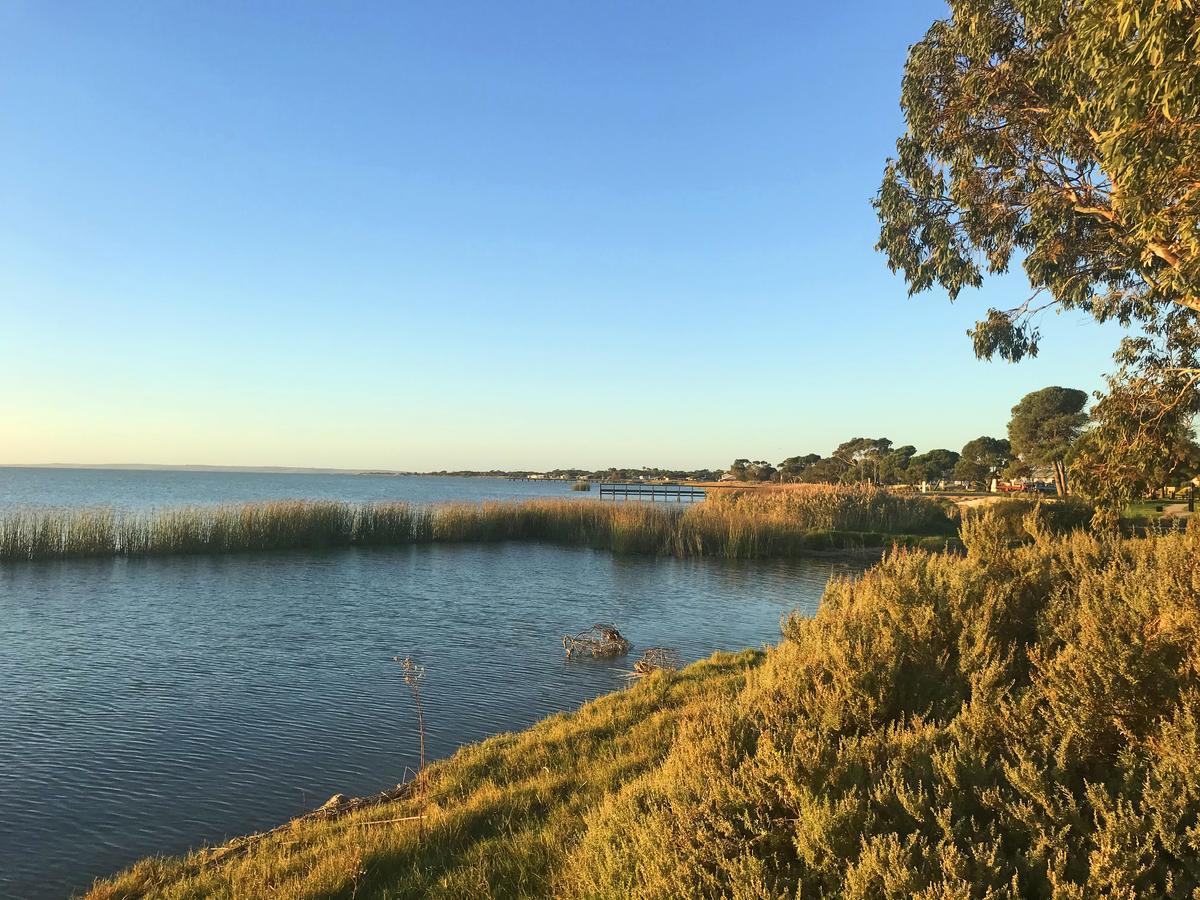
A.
pixel 729 525
pixel 501 816
pixel 1018 721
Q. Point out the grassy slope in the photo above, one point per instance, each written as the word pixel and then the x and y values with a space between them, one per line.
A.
pixel 502 815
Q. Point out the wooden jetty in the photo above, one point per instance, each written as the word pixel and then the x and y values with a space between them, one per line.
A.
pixel 652 491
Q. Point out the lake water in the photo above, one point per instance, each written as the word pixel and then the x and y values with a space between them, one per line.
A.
pixel 151 705
pixel 149 489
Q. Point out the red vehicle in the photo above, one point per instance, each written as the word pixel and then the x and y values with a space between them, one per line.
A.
pixel 1031 487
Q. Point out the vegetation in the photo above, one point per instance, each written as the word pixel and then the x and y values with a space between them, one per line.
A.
pixel 1019 721
pixel 752 470
pixel 1068 135
pixel 1141 440
pixel 500 816
pixel 792 467
pixel 724 526
pixel 1008 517
pixel 1064 133
pixel 1044 425
pixel 856 461
pixel 830 508
pixel 982 459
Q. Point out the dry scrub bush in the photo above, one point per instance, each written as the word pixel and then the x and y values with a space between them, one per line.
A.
pixel 1021 721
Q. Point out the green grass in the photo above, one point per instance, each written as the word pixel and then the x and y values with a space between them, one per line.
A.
pixel 501 816
pixel 728 526
pixel 1142 511
pixel 1022 720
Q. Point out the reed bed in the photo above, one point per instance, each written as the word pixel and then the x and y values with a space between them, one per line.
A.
pixel 834 508
pixel 282 525
pixel 731 525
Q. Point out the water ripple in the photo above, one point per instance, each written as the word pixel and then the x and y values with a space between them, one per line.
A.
pixel 148 706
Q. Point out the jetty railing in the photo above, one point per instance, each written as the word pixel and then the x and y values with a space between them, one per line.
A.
pixel 652 491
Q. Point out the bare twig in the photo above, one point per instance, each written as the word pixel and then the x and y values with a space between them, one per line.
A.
pixel 413 674
pixel 389 821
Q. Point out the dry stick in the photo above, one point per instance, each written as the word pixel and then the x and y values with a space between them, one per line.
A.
pixel 390 821
pixel 413 674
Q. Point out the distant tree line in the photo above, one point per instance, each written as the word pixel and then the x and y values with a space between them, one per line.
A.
pixel 645 473
pixel 1128 447
pixel 860 460
pixel 1049 433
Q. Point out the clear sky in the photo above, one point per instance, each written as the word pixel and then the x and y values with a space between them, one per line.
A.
pixel 464 235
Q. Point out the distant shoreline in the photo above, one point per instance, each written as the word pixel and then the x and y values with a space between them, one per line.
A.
pixel 161 467
pixel 302 470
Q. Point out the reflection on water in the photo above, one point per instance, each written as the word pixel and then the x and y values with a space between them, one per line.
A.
pixel 147 706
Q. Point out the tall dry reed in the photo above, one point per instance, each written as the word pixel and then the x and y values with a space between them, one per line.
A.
pixel 732 525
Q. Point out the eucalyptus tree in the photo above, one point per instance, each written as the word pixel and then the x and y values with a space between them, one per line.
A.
pixel 862 457
pixel 1141 439
pixel 792 467
pixel 893 468
pixel 1066 136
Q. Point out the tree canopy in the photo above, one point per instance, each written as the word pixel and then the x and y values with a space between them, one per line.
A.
pixel 1141 439
pixel 1066 134
pixel 862 457
pixel 933 466
pixel 793 467
pixel 1043 427
pixel 752 470
pixel 982 458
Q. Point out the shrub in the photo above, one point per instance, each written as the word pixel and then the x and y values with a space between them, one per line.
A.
pixel 1019 721
pixel 1009 515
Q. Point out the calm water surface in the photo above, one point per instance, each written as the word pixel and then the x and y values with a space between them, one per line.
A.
pixel 148 706
pixel 149 489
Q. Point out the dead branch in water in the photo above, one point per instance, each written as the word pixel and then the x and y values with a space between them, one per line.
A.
pixel 600 641
pixel 655 659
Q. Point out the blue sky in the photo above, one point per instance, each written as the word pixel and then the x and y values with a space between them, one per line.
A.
pixel 463 235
